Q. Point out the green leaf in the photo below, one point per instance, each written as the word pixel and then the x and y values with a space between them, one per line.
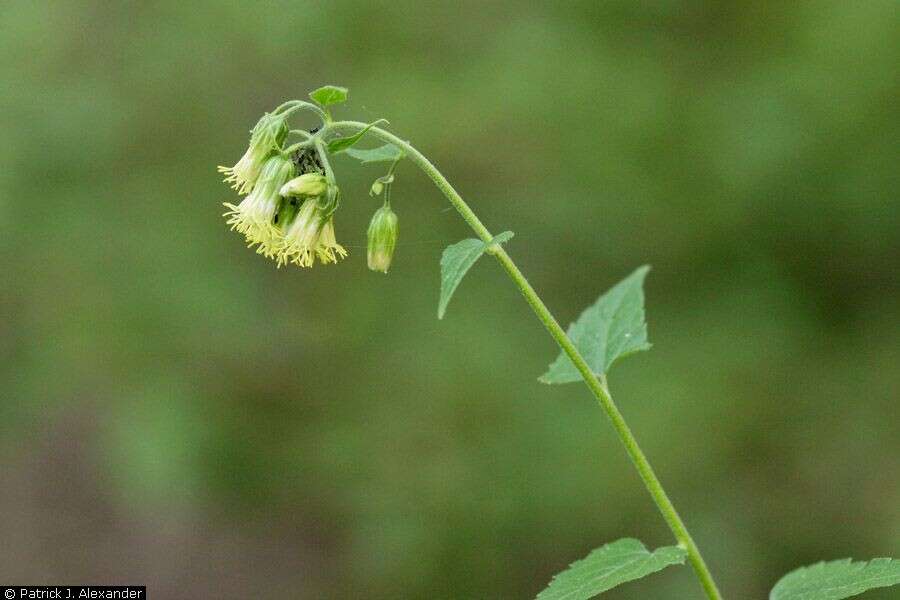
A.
pixel 611 328
pixel 329 94
pixel 456 262
pixel 386 153
pixel 837 579
pixel 608 566
pixel 340 144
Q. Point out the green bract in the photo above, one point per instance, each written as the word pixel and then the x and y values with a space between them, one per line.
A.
pixel 386 153
pixel 344 143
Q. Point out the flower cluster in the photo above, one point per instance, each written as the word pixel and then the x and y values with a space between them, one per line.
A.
pixel 284 216
pixel 287 213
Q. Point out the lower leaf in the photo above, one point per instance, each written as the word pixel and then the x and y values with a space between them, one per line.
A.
pixel 608 566
pixel 837 579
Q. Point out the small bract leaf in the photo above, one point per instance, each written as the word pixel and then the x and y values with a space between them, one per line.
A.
pixel 329 94
pixel 609 329
pixel 386 153
pixel 341 144
pixel 608 566
pixel 502 238
pixel 456 262
pixel 837 579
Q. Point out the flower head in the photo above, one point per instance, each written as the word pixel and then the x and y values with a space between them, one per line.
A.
pixel 255 216
pixel 382 236
pixel 265 137
pixel 311 234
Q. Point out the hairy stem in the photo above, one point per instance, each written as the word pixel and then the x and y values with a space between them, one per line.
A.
pixel 597 386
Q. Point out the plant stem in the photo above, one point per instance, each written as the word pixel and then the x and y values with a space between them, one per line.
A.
pixel 597 385
pixel 294 105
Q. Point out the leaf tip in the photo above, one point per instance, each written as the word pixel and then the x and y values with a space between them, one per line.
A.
pixel 641 271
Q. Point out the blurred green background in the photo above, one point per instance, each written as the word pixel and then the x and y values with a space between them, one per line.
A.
pixel 177 412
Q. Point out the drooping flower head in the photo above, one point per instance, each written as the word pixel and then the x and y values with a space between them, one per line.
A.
pixel 310 235
pixel 382 236
pixel 255 216
pixel 291 193
pixel 265 137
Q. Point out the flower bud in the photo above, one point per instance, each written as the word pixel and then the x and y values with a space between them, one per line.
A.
pixel 307 185
pixel 382 239
pixel 379 185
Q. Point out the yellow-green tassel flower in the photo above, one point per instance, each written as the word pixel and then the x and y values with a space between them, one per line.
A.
pixel 310 235
pixel 255 215
pixel 265 137
pixel 328 249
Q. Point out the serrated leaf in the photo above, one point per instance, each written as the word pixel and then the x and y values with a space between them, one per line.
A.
pixel 343 143
pixel 609 329
pixel 456 262
pixel 837 579
pixel 329 94
pixel 608 566
pixel 386 153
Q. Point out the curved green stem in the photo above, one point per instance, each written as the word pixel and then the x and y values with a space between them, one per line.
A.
pixel 333 192
pixel 326 164
pixel 597 385
pixel 294 147
pixel 293 106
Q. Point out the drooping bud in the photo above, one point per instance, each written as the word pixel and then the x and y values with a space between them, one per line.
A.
pixel 265 137
pixel 382 236
pixel 307 185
